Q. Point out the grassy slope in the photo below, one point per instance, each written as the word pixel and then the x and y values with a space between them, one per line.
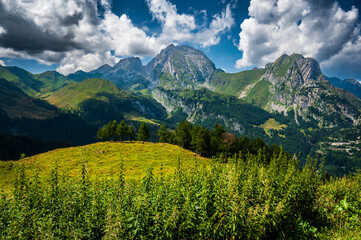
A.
pixel 51 82
pixel 17 104
pixel 21 78
pixel 103 160
pixel 35 85
pixel 74 94
pixel 234 83
pixel 272 124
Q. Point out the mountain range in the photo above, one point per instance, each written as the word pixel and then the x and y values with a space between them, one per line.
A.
pixel 182 83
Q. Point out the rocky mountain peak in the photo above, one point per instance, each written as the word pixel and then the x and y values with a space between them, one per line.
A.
pixel 181 66
pixel 294 70
pixel 102 69
pixel 132 62
pixel 353 81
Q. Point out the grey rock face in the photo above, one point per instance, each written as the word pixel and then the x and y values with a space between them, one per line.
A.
pixel 298 83
pixel 181 66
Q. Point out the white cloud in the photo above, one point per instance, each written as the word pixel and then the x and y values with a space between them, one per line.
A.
pixel 175 27
pixel 319 29
pixel 72 32
pixel 126 39
pixel 182 27
pixel 77 60
pixel 346 63
pixel 2 63
pixel 220 23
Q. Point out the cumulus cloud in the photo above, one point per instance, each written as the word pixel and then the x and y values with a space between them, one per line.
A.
pixel 2 63
pixel 220 23
pixel 319 29
pixel 74 34
pixel 176 27
pixel 346 63
pixel 183 28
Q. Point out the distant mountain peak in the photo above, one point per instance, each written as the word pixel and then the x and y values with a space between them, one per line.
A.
pixel 180 66
pixel 131 62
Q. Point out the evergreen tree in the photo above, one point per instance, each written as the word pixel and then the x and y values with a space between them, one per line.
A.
pixel 112 129
pixel 101 133
pixel 201 140
pixel 143 132
pixel 122 130
pixel 131 133
pixel 163 134
pixel 195 136
pixel 183 135
pixel 108 132
pixel 216 139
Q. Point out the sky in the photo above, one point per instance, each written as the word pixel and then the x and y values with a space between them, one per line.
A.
pixel 71 35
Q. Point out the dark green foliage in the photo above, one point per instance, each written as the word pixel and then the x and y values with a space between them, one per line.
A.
pixel 143 132
pixel 201 140
pixel 163 134
pixel 216 138
pixel 217 143
pixel 131 133
pixel 109 131
pixel 244 199
pixel 65 127
pixel 183 136
pixel 122 130
pixel 12 146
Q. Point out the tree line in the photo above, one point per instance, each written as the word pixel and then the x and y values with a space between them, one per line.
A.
pixel 209 143
pixel 114 131
pixel 215 142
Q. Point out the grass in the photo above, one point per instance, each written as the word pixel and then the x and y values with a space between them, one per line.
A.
pixel 71 96
pixel 103 160
pixel 234 83
pixel 259 94
pixel 134 116
pixel 272 124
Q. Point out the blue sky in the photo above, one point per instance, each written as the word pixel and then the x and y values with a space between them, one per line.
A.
pixel 70 35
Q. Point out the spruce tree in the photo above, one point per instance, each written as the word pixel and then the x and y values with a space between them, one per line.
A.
pixel 131 133
pixel 143 132
pixel 163 134
pixel 108 132
pixel 112 130
pixel 122 130
pixel 183 134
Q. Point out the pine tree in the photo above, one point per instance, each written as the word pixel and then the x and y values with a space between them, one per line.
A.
pixel 112 130
pixel 163 134
pixel 183 134
pixel 201 140
pixel 131 133
pixel 216 139
pixel 122 130
pixel 108 132
pixel 143 132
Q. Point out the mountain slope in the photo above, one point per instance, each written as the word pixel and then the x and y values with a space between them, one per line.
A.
pixel 235 83
pixel 295 83
pixel 51 81
pixel 350 85
pixel 16 104
pixel 34 85
pixel 99 101
pixel 208 108
pixel 128 73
